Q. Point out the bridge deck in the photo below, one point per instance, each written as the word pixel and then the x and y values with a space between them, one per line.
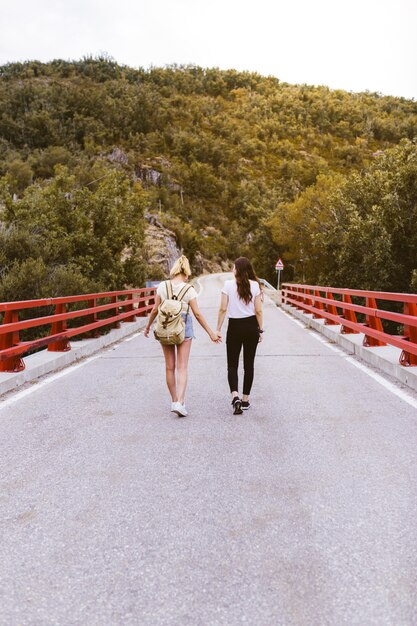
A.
pixel 300 511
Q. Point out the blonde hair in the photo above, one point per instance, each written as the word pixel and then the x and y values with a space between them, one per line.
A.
pixel 181 266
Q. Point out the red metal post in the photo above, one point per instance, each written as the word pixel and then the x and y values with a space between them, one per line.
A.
pixel 302 298
pixel 296 296
pixel 318 305
pixel 62 345
pixel 91 304
pixel 305 300
pixel 350 316
pixel 410 332
pixel 8 340
pixel 130 307
pixel 331 308
pixel 116 311
pixel 375 323
pixel 144 304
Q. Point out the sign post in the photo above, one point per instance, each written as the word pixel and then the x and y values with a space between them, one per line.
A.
pixel 279 266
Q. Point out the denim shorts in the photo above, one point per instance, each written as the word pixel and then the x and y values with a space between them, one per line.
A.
pixel 189 331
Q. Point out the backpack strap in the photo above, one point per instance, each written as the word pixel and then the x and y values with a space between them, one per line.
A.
pixel 180 297
pixel 169 289
pixel 171 296
pixel 183 292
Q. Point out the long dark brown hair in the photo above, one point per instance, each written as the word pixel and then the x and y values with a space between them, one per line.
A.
pixel 244 273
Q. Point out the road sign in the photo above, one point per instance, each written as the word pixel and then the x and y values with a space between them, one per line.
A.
pixel 279 266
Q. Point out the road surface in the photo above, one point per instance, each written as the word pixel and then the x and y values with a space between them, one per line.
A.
pixel 302 511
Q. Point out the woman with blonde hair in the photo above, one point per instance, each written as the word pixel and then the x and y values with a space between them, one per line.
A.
pixel 242 300
pixel 176 357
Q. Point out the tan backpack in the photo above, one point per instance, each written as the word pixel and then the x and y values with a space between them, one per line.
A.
pixel 170 326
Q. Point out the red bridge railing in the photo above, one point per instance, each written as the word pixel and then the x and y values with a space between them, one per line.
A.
pixel 336 307
pixel 118 306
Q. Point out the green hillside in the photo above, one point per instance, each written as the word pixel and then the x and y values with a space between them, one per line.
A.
pixel 234 163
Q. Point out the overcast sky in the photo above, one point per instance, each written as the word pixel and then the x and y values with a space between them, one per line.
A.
pixel 355 45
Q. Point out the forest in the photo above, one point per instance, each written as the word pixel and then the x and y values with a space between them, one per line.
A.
pixel 234 163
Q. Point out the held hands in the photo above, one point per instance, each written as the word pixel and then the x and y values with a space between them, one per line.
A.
pixel 216 336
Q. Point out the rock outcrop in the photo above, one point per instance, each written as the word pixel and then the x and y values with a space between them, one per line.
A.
pixel 161 249
pixel 202 265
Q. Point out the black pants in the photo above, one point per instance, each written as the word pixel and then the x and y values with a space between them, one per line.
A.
pixel 241 332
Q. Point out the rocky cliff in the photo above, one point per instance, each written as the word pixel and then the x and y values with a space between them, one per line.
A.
pixel 161 248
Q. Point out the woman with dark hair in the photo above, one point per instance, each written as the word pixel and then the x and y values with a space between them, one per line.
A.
pixel 242 301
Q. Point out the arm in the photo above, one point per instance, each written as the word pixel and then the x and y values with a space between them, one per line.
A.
pixel 222 311
pixel 259 314
pixel 152 316
pixel 216 337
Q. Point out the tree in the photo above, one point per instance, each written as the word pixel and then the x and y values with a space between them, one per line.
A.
pixel 78 238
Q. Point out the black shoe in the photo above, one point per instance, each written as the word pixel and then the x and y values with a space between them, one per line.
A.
pixel 237 406
pixel 245 405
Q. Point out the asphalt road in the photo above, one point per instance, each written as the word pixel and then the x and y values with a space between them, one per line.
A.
pixel 302 511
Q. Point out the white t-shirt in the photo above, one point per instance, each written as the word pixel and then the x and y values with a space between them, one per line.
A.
pixel 176 288
pixel 237 307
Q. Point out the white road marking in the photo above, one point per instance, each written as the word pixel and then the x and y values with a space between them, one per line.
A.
pixel 132 337
pixel 19 395
pixel 400 393
pixel 382 381
pixel 324 340
pixel 299 323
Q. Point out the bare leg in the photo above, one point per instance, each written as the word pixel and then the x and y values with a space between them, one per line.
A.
pixel 183 354
pixel 169 354
pixel 245 398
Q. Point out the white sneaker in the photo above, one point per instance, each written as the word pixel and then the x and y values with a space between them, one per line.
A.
pixel 173 406
pixel 180 409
